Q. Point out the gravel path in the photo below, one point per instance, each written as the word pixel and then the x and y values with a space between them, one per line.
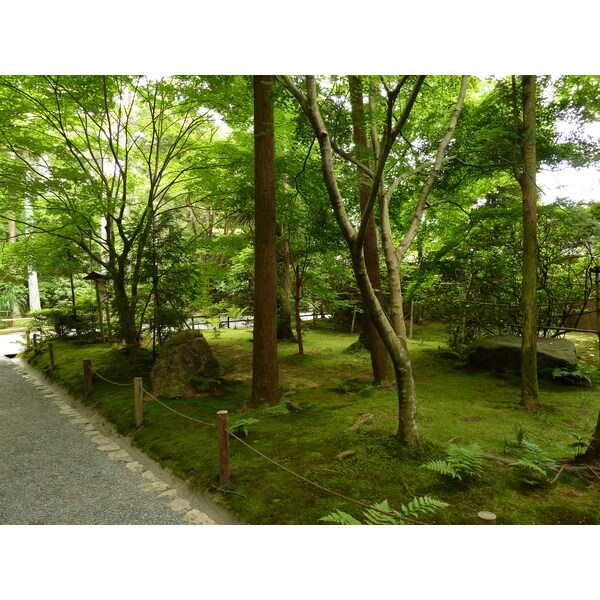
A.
pixel 60 465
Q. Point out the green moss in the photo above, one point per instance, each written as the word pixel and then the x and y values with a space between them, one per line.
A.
pixel 316 422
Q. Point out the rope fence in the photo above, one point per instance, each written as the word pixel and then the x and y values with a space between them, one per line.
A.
pixel 223 435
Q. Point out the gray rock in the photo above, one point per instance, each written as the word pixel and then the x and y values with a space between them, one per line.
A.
pixel 182 358
pixel 503 353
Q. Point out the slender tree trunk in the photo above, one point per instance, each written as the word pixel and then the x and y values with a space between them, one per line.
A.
pixel 32 278
pixel 265 387
pixel 297 298
pixel 527 181
pixel 284 321
pixel 408 433
pixel 592 454
pixel 11 238
pixel 380 360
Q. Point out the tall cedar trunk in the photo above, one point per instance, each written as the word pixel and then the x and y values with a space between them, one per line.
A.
pixel 265 388
pixel 527 181
pixel 380 360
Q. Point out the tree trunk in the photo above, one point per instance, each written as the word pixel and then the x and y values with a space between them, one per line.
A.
pixel 125 308
pixel 265 387
pixel 592 454
pixel 380 360
pixel 284 321
pixel 408 432
pixel 527 181
pixel 32 278
pixel 297 298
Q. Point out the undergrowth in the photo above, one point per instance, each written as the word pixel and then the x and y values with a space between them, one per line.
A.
pixel 346 440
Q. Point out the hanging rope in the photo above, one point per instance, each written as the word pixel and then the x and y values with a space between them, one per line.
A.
pixel 176 411
pixel 111 382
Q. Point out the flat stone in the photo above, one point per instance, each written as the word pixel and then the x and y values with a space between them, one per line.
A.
pixel 135 466
pixel 119 455
pixel 100 440
pixel 179 505
pixel 168 494
pixel 109 447
pixel 150 476
pixel 80 421
pixel 155 486
pixel 196 517
pixel 503 353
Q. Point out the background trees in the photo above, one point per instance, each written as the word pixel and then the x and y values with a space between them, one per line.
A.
pixel 150 181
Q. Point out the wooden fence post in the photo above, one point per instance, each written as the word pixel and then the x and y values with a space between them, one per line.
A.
pixel 223 437
pixel 87 377
pixel 51 354
pixel 138 400
pixel 35 340
pixel 486 518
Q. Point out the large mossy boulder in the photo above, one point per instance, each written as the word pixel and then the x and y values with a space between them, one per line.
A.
pixel 503 353
pixel 185 366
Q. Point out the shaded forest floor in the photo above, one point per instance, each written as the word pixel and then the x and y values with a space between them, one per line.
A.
pixel 334 428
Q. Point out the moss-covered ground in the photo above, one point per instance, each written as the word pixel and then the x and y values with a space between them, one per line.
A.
pixel 329 408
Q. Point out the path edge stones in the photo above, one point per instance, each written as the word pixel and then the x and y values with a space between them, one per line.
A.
pixel 195 508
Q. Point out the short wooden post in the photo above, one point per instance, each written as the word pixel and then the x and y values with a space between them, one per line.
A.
pixel 35 340
pixel 223 437
pixel 28 338
pixel 51 354
pixel 138 400
pixel 486 518
pixel 87 377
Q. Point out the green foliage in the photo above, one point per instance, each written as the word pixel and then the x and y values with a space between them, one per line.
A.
pixel 424 505
pixel 581 443
pixel 205 384
pixel 530 458
pixel 62 322
pixel 352 385
pixel 516 444
pixel 460 462
pixel 215 323
pixel 574 373
pixel 240 426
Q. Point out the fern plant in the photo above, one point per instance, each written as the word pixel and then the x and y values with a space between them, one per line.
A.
pixel 460 461
pixel 533 459
pixel 574 373
pixel 372 516
pixel 240 427
pixel 581 443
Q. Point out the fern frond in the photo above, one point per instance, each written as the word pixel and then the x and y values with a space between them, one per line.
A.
pixel 340 518
pixel 442 467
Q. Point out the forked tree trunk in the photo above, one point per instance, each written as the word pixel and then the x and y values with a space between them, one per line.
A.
pixel 408 433
pixel 265 387
pixel 380 359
